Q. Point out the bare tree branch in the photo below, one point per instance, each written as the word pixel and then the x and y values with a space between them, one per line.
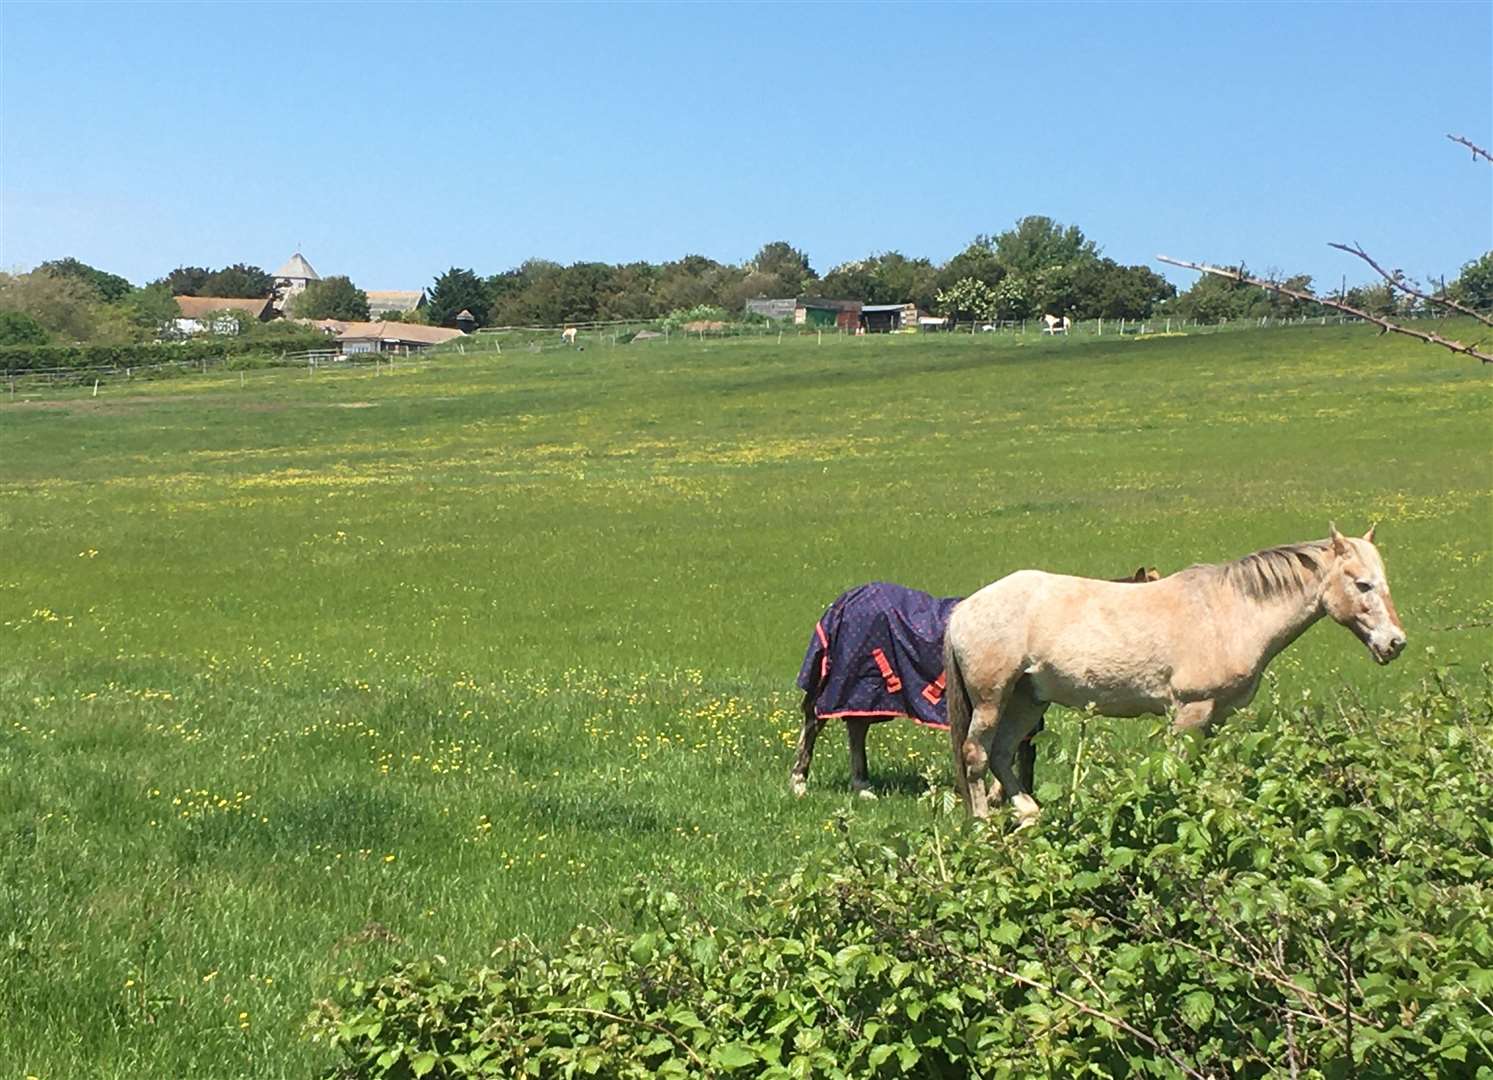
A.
pixel 1336 305
pixel 1398 280
pixel 1477 151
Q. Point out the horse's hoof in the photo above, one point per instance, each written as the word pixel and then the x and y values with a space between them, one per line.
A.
pixel 798 787
pixel 865 793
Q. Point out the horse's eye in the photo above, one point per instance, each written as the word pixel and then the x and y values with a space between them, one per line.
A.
pixel 1364 586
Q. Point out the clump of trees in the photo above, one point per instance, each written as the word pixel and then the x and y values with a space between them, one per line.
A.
pixel 239 281
pixel 66 301
pixel 1038 265
pixel 331 298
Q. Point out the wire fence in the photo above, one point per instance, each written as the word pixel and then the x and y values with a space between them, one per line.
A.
pixel 313 362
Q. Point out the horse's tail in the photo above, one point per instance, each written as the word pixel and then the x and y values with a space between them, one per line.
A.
pixel 957 696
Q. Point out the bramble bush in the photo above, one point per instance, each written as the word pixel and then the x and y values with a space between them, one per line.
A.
pixel 1310 894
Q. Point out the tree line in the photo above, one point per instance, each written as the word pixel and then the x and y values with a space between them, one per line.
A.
pixel 1037 266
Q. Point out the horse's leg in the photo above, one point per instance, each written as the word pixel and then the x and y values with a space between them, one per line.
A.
pixel 798 778
pixel 860 780
pixel 1026 757
pixel 979 752
pixel 1018 721
pixel 1195 716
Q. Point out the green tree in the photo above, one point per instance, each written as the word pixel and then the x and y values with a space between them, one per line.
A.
pixel 782 261
pixel 331 298
pixel 108 287
pixel 696 281
pixel 1038 243
pixel 970 297
pixel 238 280
pixel 63 306
pixel 1105 289
pixel 18 328
pixel 1214 299
pixel 977 261
pixel 511 296
pixel 453 292
pixel 187 281
pixel 152 308
pixel 1474 287
pixel 855 280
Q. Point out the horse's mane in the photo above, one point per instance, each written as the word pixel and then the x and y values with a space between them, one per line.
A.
pixel 1288 570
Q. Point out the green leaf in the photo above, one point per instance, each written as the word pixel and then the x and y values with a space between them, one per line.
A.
pixel 1197 1008
pixel 643 949
pixel 733 1055
pixel 422 1063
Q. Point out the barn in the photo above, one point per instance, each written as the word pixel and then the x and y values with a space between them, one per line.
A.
pixel 826 314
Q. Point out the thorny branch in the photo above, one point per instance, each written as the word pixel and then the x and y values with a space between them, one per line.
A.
pixel 1398 280
pixel 1089 1010
pixel 1477 151
pixel 1337 305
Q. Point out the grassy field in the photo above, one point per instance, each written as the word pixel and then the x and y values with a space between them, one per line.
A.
pixel 307 674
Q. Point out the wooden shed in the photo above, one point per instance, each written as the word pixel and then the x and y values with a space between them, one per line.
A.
pixel 824 314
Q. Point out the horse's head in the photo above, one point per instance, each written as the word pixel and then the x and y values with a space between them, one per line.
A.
pixel 1356 594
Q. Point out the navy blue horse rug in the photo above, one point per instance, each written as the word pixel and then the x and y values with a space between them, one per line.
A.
pixel 877 654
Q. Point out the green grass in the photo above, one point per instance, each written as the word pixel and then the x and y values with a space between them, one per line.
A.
pixel 304 675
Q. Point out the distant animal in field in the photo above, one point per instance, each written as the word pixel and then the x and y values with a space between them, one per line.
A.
pixel 877 654
pixel 1055 325
pixel 1193 645
pixel 568 335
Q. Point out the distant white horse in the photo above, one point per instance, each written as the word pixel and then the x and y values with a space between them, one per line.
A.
pixel 1056 325
pixel 568 335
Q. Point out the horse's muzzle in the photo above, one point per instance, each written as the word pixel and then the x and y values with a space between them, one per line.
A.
pixel 1384 654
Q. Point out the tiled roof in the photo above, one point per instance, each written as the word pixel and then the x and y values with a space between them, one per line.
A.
pixel 394 299
pixel 396 331
pixel 195 307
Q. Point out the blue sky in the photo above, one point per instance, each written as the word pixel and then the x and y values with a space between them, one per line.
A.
pixel 390 141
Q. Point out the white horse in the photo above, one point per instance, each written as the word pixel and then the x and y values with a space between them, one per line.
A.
pixel 1055 325
pixel 1194 644
pixel 568 335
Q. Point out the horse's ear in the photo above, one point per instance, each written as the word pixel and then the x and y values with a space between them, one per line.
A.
pixel 1369 536
pixel 1339 542
pixel 1140 574
pixel 1153 574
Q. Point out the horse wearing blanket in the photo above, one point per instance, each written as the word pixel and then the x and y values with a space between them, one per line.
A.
pixel 875 655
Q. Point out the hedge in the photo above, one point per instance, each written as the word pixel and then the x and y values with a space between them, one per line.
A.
pixel 18 359
pixel 1310 895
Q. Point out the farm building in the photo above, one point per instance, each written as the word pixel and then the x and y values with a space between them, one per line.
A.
pixel 823 314
pixel 204 314
pixel 885 318
pixel 399 301
pixel 292 278
pixel 772 309
pixel 381 336
pixel 851 315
